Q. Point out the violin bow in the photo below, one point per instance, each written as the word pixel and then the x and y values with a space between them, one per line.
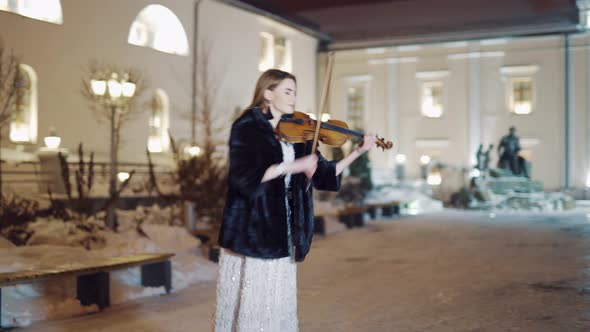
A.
pixel 320 110
pixel 324 97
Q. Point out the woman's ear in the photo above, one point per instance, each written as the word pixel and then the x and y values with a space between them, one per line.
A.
pixel 268 95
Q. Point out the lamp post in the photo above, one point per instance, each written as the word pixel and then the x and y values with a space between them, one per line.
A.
pixel 400 166
pixel 424 164
pixel 114 95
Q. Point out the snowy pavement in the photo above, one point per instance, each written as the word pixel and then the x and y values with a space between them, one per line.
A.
pixel 451 271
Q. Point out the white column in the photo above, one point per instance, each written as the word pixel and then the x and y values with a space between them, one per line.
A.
pixel 393 132
pixel 569 128
pixel 474 106
pixel 587 116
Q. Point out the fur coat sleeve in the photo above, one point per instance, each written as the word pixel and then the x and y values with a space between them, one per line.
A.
pixel 247 164
pixel 325 177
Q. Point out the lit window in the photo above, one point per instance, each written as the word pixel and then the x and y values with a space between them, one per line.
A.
pixel 356 107
pixel 584 12
pixel 267 58
pixel 275 52
pixel 283 54
pixel 521 99
pixel 432 99
pixel 23 122
pixel 159 122
pixel 43 10
pixel 157 27
pixel 434 178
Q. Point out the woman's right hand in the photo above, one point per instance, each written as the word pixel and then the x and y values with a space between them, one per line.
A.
pixel 307 165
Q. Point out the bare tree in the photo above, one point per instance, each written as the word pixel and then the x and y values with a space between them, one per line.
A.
pixel 210 125
pixel 117 109
pixel 9 82
pixel 201 178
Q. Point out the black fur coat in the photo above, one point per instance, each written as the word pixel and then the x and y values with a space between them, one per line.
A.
pixel 254 221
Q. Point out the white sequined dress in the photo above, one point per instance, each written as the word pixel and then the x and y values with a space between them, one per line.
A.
pixel 256 294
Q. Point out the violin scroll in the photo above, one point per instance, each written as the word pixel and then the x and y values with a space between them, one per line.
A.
pixel 383 144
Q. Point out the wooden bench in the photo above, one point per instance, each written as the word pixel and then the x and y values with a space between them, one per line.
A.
pixel 319 222
pixel 93 280
pixel 209 241
pixel 388 209
pixel 352 216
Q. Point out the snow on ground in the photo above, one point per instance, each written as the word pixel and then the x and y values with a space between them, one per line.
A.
pixel 454 271
pixel 58 244
pixel 4 244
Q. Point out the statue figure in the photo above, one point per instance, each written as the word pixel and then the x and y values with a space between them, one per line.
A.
pixel 480 158
pixel 486 157
pixel 483 158
pixel 508 154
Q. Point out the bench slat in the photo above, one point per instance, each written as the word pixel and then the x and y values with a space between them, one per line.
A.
pixel 93 266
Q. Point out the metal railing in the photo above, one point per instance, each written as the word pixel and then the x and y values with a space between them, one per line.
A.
pixel 27 177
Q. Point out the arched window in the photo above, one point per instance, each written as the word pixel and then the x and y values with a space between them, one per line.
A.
pixel 23 124
pixel 43 10
pixel 159 122
pixel 157 27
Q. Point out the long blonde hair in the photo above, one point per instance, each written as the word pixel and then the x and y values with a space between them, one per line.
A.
pixel 268 81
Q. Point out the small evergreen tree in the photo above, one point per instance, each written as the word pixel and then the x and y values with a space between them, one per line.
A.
pixel 361 168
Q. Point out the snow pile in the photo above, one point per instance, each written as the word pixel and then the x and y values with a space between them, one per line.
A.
pixel 188 267
pixel 540 202
pixel 412 200
pixel 60 244
pixel 88 234
pixel 54 298
pixel 170 215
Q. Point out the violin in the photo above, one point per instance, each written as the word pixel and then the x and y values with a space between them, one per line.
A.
pixel 302 128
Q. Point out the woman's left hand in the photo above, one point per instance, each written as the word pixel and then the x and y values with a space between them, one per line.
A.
pixel 369 141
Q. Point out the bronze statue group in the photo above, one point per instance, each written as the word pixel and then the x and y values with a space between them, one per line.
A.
pixel 509 159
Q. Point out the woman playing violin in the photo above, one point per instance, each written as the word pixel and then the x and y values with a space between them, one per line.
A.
pixel 268 218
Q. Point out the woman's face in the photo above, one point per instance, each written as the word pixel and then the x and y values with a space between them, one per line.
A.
pixel 282 98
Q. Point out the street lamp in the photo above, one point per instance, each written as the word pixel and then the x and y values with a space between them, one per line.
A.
pixel 325 116
pixel 122 176
pixel 114 95
pixel 424 163
pixel 192 151
pixel 99 87
pixel 52 141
